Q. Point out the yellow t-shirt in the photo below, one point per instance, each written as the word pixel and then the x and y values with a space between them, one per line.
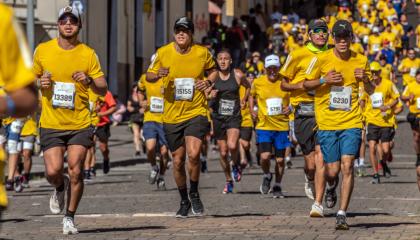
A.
pixel 386 71
pixel 294 69
pixel 190 65
pixel 381 5
pixel 246 114
pixel 391 37
pixel 94 100
pixel 61 64
pixel 343 15
pixel 413 88
pixel 30 128
pixel 152 91
pixel 385 92
pixel 375 44
pixel 357 48
pixel 15 68
pixel 270 99
pixel 286 27
pixel 418 35
pixel 398 30
pixel 412 66
pixel 326 118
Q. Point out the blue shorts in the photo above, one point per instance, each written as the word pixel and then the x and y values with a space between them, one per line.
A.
pixel 336 143
pixel 278 139
pixel 154 130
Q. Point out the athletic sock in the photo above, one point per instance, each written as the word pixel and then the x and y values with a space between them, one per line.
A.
pixel 193 186
pixel 341 212
pixel 183 191
pixel 70 214
pixel 60 188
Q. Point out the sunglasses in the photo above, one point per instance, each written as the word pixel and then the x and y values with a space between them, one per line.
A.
pixel 72 20
pixel 320 31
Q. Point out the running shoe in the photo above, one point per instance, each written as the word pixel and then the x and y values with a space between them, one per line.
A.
pixel 9 185
pixel 204 167
pixel 92 172
pixel 228 188
pixel 183 209
pixel 106 166
pixel 18 184
pixel 161 184
pixel 25 181
pixel 309 188
pixel 86 176
pixel 68 226
pixel 266 185
pixel 137 154
pixel 317 211
pixel 236 173
pixel 153 175
pixel 331 196
pixel 376 179
pixel 289 164
pixel 341 222
pixel 277 193
pixel 197 207
pixel 57 198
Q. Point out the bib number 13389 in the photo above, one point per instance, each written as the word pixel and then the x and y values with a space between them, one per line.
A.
pixel 63 96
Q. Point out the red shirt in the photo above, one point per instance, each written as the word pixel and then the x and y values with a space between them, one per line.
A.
pixel 108 103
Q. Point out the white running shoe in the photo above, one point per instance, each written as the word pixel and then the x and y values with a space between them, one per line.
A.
pixel 68 226
pixel 309 188
pixel 317 211
pixel 57 198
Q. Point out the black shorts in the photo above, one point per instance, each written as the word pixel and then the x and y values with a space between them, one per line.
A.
pixel 62 138
pixel 376 133
pixel 414 121
pixel 175 133
pixel 268 147
pixel 305 132
pixel 221 125
pixel 103 133
pixel 246 133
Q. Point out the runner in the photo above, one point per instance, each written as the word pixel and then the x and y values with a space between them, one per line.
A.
pixel 185 115
pixel 136 119
pixel 335 75
pixel 409 66
pixel 379 118
pixel 294 73
pixel 411 95
pixel 227 118
pixel 26 146
pixel 90 162
pixel 247 128
pixel 13 130
pixel 150 97
pixel 65 123
pixel 18 96
pixel 272 128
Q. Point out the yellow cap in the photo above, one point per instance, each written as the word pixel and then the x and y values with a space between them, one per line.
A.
pixel 375 66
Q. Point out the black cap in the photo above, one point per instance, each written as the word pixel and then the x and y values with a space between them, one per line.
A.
pixel 342 28
pixel 184 22
pixel 317 23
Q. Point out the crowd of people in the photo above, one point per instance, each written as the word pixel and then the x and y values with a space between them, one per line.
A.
pixel 326 87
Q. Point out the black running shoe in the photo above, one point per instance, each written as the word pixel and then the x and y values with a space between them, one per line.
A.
pixel 385 169
pixel 9 185
pixel 331 196
pixel 106 167
pixel 183 209
pixel 204 167
pixel 197 207
pixel 266 185
pixel 376 179
pixel 341 223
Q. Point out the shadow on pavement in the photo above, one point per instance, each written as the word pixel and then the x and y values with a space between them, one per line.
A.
pixel 124 229
pixel 382 225
pixel 398 182
pixel 240 215
pixel 360 214
pixel 28 194
pixel 14 220
pixel 108 182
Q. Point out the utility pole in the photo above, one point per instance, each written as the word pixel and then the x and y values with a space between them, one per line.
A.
pixel 30 25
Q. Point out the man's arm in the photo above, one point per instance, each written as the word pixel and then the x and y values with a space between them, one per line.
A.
pixel 288 87
pixel 19 103
pixel 99 86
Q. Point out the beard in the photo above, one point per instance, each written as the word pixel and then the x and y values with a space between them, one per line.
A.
pixel 69 37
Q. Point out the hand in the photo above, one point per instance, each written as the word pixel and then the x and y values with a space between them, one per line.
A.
pixel 163 72
pixel 213 93
pixel 243 104
pixel 411 97
pixel 360 74
pixel 384 108
pixel 202 85
pixel 254 114
pixel 286 110
pixel 141 110
pixel 333 78
pixel 81 77
pixel 45 80
pixel 143 104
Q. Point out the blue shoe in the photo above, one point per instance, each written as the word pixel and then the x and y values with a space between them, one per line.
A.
pixel 236 173
pixel 228 188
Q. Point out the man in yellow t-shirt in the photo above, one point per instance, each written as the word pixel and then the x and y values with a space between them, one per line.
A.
pixel 184 118
pixel 272 128
pixel 294 73
pixel 411 95
pixel 247 128
pixel 335 75
pixel 374 43
pixel 380 119
pixel 409 66
pixel 390 36
pixel 65 122
pixel 151 102
pixel 18 96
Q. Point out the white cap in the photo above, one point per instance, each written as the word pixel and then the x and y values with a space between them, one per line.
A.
pixel 375 29
pixel 272 60
pixel 69 10
pixel 276 26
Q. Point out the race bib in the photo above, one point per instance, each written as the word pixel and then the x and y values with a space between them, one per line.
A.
pixel 16 126
pixel 340 98
pixel 418 103
pixel 156 104
pixel 63 96
pixel 184 89
pixel 375 47
pixel 413 71
pixel 365 39
pixel 306 109
pixel 377 100
pixel 226 107
pixel 274 106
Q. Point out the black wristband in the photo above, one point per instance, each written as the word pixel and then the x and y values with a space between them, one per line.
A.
pixel 209 82
pixel 89 81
